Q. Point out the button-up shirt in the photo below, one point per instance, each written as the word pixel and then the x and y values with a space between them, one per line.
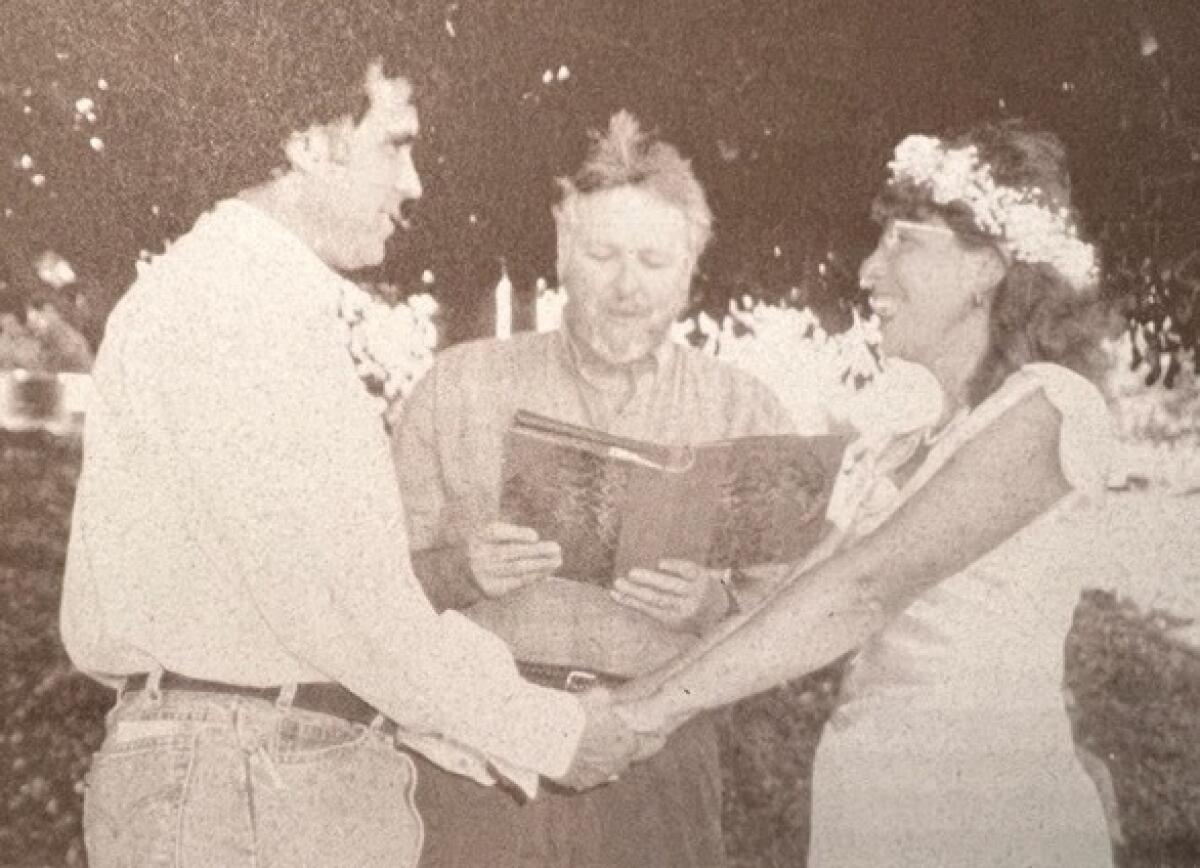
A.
pixel 449 449
pixel 238 520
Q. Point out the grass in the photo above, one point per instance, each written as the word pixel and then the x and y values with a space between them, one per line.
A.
pixel 1137 696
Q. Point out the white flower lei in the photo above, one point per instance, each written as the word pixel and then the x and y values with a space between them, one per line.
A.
pixel 391 345
pixel 1030 230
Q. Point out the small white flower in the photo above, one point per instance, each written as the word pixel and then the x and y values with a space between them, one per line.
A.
pixel 391 345
pixel 919 156
pixel 423 305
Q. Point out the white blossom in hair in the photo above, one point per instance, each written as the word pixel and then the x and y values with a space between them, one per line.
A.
pixel 1029 229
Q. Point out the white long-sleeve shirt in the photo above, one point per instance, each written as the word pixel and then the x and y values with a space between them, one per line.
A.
pixel 238 519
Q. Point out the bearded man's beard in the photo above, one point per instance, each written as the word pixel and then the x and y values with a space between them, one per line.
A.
pixel 617 344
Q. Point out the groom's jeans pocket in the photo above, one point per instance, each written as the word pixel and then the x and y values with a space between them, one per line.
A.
pixel 212 780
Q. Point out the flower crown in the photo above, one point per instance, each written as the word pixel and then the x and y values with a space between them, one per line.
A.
pixel 1028 229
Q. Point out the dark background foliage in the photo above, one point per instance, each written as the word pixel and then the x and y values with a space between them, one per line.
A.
pixel 788 107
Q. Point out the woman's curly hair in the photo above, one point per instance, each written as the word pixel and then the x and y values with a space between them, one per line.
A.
pixel 1036 315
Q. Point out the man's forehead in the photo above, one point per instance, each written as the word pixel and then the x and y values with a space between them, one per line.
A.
pixel 391 102
pixel 649 218
pixel 400 120
pixel 385 88
pixel 642 234
pixel 390 121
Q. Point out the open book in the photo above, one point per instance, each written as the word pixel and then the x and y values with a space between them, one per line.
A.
pixel 615 503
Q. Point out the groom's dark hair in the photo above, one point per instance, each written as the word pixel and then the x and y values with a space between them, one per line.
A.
pixel 213 88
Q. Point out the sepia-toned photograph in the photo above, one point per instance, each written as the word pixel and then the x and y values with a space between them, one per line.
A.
pixel 600 433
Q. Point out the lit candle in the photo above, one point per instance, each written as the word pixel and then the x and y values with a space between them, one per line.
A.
pixel 539 306
pixel 550 304
pixel 504 293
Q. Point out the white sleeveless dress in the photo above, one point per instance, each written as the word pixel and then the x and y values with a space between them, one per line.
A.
pixel 951 745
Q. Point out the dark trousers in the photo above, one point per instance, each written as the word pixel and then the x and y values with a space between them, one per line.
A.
pixel 665 813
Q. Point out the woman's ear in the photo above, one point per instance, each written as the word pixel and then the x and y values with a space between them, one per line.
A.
pixel 309 150
pixel 988 267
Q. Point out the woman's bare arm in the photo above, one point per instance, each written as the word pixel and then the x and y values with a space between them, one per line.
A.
pixel 995 484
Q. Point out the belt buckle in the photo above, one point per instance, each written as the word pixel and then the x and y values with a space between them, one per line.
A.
pixel 580 680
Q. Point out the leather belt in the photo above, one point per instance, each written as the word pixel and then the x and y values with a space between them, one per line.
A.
pixel 322 697
pixel 569 678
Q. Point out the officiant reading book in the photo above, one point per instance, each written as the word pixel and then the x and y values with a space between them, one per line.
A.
pixel 632 224
pixel 614 504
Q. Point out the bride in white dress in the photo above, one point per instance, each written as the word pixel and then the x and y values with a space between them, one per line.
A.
pixel 962 547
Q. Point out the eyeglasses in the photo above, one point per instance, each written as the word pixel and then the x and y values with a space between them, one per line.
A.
pixel 895 230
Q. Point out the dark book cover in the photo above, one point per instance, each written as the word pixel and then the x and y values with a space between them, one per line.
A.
pixel 614 503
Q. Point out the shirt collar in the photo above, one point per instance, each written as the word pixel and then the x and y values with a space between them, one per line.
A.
pixel 307 274
pixel 577 354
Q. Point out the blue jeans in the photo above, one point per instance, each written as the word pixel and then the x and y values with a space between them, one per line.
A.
pixel 206 779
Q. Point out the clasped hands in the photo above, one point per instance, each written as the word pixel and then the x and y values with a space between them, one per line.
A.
pixel 623 726
pixel 627 725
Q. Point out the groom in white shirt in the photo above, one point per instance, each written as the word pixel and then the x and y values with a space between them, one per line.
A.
pixel 238 565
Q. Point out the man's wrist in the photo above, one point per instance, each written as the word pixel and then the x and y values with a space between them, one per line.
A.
pixel 553 729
